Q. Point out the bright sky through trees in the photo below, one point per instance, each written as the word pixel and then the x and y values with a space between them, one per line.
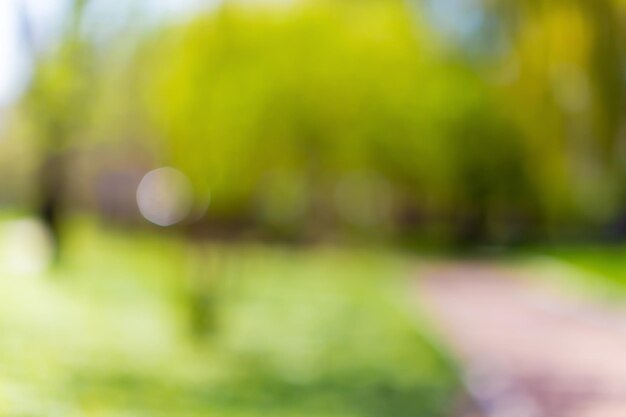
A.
pixel 45 17
pixel 11 54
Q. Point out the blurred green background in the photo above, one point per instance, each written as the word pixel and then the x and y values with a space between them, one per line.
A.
pixel 212 208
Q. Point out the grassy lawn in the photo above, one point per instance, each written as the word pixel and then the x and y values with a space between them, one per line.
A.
pixel 597 271
pixel 142 325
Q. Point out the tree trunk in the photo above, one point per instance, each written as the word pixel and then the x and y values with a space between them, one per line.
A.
pixel 51 197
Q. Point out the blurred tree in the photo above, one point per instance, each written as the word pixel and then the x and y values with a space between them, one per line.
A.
pixel 304 98
pixel 563 78
pixel 57 106
pixel 302 117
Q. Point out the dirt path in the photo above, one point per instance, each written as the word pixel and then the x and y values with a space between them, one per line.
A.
pixel 528 351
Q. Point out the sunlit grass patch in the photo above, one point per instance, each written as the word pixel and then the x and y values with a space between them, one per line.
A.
pixel 142 325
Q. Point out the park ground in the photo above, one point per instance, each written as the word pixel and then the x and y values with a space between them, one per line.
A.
pixel 145 325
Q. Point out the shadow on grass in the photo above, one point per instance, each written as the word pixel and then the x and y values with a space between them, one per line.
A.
pixel 263 394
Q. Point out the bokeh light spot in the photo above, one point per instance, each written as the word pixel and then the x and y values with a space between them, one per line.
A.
pixel 165 196
pixel 25 247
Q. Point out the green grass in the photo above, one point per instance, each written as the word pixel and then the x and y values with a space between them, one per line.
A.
pixel 145 325
pixel 595 271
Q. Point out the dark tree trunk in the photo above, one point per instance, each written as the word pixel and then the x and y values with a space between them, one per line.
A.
pixel 472 228
pixel 50 208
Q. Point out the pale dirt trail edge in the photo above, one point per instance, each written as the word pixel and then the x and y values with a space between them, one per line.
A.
pixel 527 351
